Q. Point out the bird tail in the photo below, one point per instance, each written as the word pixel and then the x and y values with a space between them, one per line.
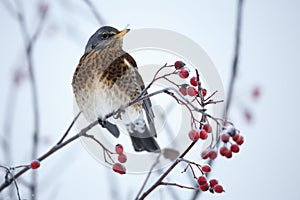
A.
pixel 142 139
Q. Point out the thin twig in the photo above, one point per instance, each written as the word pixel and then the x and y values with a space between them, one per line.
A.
pixel 233 73
pixel 148 176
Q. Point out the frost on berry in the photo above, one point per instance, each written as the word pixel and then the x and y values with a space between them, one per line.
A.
pixel 184 73
pixel 119 168
pixel 191 91
pixel 119 149
pixel 193 135
pixel 122 158
pixel 183 91
pixel 179 64
pixel 35 164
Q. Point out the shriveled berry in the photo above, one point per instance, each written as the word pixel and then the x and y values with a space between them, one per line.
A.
pixel 183 91
pixel 225 137
pixel 194 81
pixel 223 150
pixel 201 180
pixel 35 164
pixel 206 168
pixel 119 149
pixel 179 64
pixel 204 92
pixel 207 128
pixel 235 148
pixel 184 73
pixel 213 182
pixel 212 154
pixel 192 91
pixel 193 135
pixel 122 158
pixel 119 168
pixel 218 188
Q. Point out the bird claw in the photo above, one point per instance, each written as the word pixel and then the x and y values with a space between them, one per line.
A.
pixel 119 112
pixel 102 122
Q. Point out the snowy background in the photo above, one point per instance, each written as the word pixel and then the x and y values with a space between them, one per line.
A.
pixel 267 166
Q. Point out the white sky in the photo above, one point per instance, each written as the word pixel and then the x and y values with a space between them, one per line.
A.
pixel 267 166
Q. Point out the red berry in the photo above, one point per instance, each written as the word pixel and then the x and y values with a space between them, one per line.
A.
pixel 203 134
pixel 202 180
pixel 218 188
pixel 240 140
pixel 179 64
pixel 35 164
pixel 223 150
pixel 183 91
pixel 204 92
pixel 235 148
pixel 193 135
pixel 256 92
pixel 213 182
pixel 184 73
pixel 204 154
pixel 236 137
pixel 225 137
pixel 194 81
pixel 119 168
pixel 119 149
pixel 207 128
pixel 206 168
pixel 192 91
pixel 228 154
pixel 204 187
pixel 122 158
pixel 212 154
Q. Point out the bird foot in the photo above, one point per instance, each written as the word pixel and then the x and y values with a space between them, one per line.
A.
pixel 119 112
pixel 102 122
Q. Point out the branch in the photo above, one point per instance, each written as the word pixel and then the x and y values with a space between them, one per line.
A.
pixel 94 11
pixel 233 72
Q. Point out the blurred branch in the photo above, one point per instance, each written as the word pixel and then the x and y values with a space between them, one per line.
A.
pixel 92 7
pixel 233 72
pixel 29 45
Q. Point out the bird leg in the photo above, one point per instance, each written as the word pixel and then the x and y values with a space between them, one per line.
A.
pixel 119 112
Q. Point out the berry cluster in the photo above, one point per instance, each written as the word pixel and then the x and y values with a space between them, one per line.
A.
pixel 212 185
pixel 232 141
pixel 122 158
pixel 202 133
pixel 186 89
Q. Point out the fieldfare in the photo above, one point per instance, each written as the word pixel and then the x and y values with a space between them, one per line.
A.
pixel 107 79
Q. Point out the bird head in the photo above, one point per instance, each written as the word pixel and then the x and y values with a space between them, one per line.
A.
pixel 104 36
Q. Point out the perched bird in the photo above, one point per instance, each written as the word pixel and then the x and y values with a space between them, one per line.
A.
pixel 107 79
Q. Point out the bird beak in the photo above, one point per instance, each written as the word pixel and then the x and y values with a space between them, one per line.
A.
pixel 122 33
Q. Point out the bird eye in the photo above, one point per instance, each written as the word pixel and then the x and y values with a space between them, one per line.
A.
pixel 104 36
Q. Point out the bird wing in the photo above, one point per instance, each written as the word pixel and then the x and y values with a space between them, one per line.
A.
pixel 147 105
